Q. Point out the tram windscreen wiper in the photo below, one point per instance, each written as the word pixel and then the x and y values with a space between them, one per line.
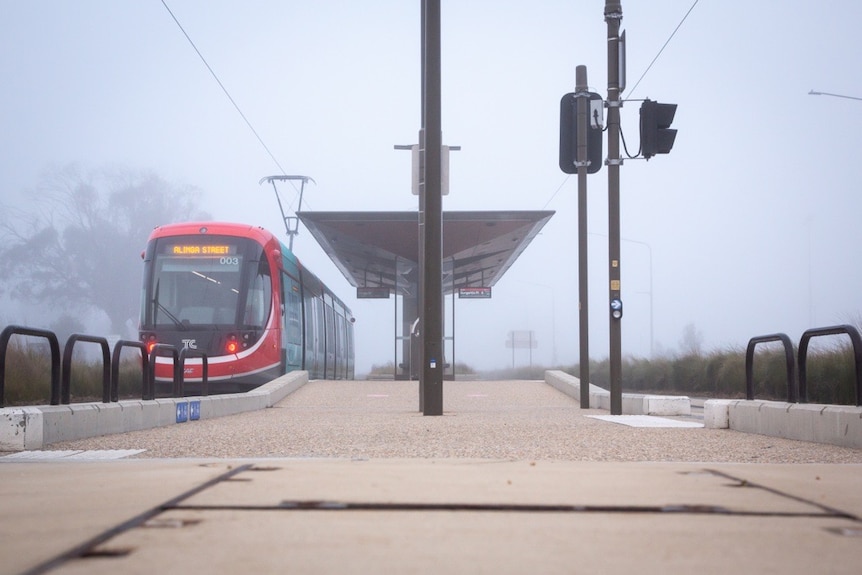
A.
pixel 168 313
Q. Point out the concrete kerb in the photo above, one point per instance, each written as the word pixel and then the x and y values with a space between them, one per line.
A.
pixel 33 427
pixel 833 424
pixel 632 403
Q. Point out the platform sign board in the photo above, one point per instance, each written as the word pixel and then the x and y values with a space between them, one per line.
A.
pixel 523 339
pixel 474 293
pixel 372 293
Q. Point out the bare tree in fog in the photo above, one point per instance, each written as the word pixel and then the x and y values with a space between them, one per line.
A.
pixel 76 246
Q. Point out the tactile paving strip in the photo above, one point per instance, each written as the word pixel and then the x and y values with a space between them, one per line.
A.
pixel 77 455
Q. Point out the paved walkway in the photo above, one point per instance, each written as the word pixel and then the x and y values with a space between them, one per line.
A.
pixel 348 477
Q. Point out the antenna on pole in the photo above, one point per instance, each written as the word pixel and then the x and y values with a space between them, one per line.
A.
pixel 291 223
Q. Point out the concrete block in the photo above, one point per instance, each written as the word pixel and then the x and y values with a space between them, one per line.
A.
pixel 802 421
pixel 600 399
pixel 773 419
pixel 211 406
pixel 271 393
pixel 745 416
pixel 632 403
pixel 848 421
pixel 836 424
pixel 57 421
pixel 254 400
pixel 564 383
pixel 150 414
pixel 109 419
pixel 133 415
pixel 165 411
pixel 666 405
pixel 85 421
pixel 716 413
pixel 21 428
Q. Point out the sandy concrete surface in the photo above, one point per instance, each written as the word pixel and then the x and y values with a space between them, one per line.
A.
pixel 482 419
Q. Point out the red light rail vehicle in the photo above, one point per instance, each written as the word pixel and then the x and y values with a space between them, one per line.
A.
pixel 239 295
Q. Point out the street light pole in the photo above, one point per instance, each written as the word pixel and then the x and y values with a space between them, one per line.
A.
pixel 813 93
pixel 651 332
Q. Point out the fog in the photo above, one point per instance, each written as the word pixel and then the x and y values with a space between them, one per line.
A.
pixel 748 227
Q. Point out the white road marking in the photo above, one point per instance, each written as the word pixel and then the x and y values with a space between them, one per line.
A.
pixel 645 421
pixel 72 454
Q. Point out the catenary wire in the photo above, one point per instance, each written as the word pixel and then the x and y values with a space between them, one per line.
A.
pixel 232 101
pixel 663 47
pixel 554 195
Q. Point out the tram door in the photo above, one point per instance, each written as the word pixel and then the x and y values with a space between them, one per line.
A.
pixel 291 335
pixel 314 337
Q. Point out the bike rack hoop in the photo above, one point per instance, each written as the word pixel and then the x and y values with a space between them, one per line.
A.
pixel 855 339
pixel 792 382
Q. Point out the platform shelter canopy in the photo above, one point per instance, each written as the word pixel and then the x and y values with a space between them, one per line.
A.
pixel 381 249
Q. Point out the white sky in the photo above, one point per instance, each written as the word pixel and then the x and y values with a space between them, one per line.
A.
pixel 751 221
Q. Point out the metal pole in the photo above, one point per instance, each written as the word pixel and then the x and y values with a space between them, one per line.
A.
pixel 420 286
pixel 613 16
pixel 395 327
pixel 453 318
pixel 431 215
pixel 583 103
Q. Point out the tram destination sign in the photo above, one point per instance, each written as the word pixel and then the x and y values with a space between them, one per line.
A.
pixel 372 293
pixel 474 293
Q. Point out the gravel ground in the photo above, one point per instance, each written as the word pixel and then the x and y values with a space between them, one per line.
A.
pixel 482 419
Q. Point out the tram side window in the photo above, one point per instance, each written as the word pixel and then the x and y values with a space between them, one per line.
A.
pixel 257 305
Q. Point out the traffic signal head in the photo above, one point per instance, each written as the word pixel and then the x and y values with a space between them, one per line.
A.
pixel 656 135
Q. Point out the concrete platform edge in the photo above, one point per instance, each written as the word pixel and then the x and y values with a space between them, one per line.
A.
pixel 33 427
pixel 632 403
pixel 833 424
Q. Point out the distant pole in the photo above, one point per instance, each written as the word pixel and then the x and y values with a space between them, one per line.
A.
pixel 613 16
pixel 651 320
pixel 583 103
pixel 430 220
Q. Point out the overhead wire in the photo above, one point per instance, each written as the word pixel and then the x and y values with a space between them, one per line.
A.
pixel 222 86
pixel 664 46
pixel 566 179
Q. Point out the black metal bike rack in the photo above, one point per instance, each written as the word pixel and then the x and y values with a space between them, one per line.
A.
pixel 150 388
pixel 180 391
pixel 7 334
pixel 833 330
pixel 66 381
pixel 115 367
pixel 61 368
pixel 792 382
